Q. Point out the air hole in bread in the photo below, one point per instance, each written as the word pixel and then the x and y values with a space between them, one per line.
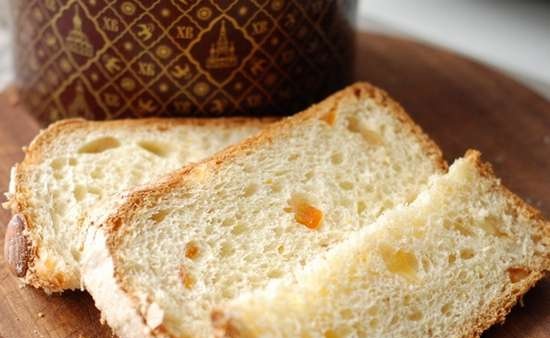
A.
pixel 491 226
pixel 250 190
pixel 332 334
pixel 58 164
pixel 467 253
pixel 517 274
pixel 293 157
pixel 451 259
pixel 99 145
pixel 357 126
pixel 345 202
pixel 337 158
pixel 446 309
pixel 226 135
pixel 79 192
pixel 354 124
pixel 250 169
pixel 73 161
pixel 94 190
pixel 280 173
pixel 400 262
pixel 228 222
pixel 156 148
pixel 361 206
pixel 346 314
pixel 278 231
pixel 373 310
pixel 97 173
pixel 346 185
pixel 239 229
pixel 76 254
pixel 281 249
pixel 459 226
pixel 248 258
pixel 227 249
pixel 228 293
pixel 415 315
pixel 419 232
pixel 160 215
pixel 373 323
pixel 276 187
pixel 275 273
pixel 426 264
pixel 308 176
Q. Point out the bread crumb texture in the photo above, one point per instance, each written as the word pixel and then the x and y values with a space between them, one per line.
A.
pixel 261 209
pixel 75 168
pixel 450 264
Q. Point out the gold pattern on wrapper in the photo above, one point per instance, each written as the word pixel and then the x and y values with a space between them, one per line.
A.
pixel 103 59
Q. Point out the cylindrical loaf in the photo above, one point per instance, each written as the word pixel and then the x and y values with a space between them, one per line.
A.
pixel 105 59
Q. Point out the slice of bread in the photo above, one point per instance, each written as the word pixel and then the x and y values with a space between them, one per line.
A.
pixel 449 265
pixel 254 212
pixel 75 165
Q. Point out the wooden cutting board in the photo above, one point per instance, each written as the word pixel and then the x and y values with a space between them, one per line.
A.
pixel 460 103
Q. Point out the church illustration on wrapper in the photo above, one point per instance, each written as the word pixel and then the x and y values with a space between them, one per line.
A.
pixel 77 42
pixel 222 52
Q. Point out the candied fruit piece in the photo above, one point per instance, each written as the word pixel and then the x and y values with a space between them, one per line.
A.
pixel 186 278
pixel 192 250
pixel 308 215
pixel 330 117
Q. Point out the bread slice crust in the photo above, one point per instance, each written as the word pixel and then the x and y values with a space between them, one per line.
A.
pixel 103 261
pixel 226 325
pixel 23 264
pixel 498 310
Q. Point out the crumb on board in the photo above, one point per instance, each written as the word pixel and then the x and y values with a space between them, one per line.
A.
pixel 40 314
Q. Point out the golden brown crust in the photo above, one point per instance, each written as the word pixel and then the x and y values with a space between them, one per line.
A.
pixel 39 147
pixel 182 178
pixel 497 311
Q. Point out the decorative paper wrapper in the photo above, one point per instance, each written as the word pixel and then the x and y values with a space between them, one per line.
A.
pixel 104 59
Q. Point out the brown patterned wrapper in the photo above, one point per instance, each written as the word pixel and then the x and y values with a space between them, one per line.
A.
pixel 105 59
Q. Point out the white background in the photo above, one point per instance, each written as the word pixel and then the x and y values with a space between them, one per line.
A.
pixel 513 35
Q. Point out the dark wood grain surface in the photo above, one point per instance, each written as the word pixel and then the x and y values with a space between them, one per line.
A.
pixel 460 103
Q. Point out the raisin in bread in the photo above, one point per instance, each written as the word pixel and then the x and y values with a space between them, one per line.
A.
pixel 76 165
pixel 254 213
pixel 450 264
